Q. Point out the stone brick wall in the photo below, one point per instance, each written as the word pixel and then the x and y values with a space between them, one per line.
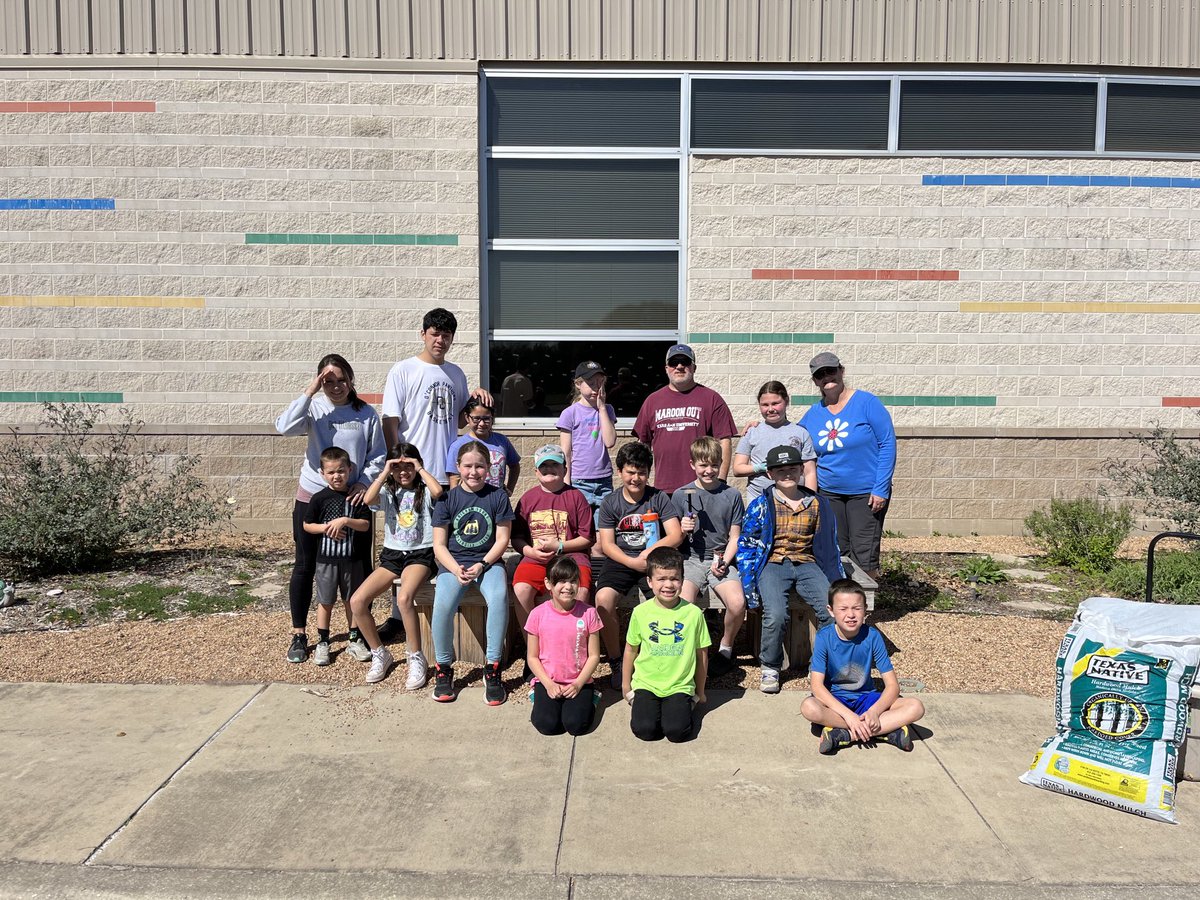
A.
pixel 191 242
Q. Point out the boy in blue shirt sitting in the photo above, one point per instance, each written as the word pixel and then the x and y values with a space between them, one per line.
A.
pixel 843 699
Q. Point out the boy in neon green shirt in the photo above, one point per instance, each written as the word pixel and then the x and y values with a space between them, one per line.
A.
pixel 666 660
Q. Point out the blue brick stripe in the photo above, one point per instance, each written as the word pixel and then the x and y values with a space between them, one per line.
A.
pixel 58 203
pixel 1060 181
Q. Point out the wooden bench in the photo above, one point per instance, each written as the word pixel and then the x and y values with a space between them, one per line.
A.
pixel 470 625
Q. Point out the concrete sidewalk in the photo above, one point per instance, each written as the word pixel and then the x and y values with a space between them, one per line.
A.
pixel 255 790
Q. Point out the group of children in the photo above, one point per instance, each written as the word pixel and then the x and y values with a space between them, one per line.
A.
pixel 671 547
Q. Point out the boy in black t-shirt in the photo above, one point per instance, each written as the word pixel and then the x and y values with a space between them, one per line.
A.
pixel 625 543
pixel 342 552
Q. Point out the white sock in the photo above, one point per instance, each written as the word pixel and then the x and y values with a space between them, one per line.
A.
pixel 726 651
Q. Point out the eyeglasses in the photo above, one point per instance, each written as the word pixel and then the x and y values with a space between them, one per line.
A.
pixel 479 420
pixel 678 362
pixel 822 374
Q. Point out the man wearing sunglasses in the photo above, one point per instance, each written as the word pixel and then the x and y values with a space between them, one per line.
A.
pixel 674 416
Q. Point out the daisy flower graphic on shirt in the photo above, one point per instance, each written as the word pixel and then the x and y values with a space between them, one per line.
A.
pixel 830 437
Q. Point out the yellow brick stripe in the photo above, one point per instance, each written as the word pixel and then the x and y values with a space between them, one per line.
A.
pixel 135 302
pixel 1080 306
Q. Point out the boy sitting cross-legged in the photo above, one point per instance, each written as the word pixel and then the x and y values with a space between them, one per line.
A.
pixel 665 654
pixel 843 699
pixel 626 538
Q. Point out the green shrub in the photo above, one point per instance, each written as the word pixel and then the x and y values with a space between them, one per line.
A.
pixel 1083 534
pixel 1166 477
pixel 74 496
pixel 1176 578
pixel 983 569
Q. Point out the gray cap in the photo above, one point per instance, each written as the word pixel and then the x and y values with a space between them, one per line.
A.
pixel 824 360
pixel 681 350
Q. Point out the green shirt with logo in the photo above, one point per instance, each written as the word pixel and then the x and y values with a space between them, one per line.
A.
pixel 667 640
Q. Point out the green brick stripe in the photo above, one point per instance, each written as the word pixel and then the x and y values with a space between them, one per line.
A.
pixel 411 240
pixel 759 337
pixel 914 400
pixel 60 397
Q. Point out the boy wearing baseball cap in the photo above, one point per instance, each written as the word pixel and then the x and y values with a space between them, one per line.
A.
pixel 552 519
pixel 788 541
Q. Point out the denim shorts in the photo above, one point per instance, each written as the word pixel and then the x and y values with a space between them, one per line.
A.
pixel 594 490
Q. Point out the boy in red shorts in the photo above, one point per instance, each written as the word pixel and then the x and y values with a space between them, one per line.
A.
pixel 553 519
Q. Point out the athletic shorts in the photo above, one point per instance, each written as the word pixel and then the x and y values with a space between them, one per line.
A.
pixel 619 578
pixel 534 574
pixel 859 703
pixel 699 573
pixel 345 575
pixel 396 561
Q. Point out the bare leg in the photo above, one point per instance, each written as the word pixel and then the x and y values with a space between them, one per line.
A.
pixel 360 604
pixel 735 610
pixel 526 595
pixel 606 606
pixel 410 582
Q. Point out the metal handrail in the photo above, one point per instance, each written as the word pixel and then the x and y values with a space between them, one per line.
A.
pixel 1184 535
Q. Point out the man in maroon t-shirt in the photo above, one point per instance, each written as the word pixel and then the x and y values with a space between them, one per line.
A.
pixel 674 416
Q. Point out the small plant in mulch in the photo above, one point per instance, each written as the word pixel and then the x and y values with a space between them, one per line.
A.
pixel 1176 578
pixel 982 570
pixel 1082 534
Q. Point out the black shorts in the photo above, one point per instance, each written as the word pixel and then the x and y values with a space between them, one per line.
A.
pixel 616 576
pixel 395 561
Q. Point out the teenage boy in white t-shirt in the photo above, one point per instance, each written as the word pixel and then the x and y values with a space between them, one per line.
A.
pixel 423 401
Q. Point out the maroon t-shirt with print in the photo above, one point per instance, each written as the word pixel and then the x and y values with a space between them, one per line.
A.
pixel 670 420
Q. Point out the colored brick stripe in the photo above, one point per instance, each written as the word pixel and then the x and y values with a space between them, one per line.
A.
pixel 1062 181
pixel 77 106
pixel 419 240
pixel 1080 306
pixel 915 400
pixel 371 398
pixel 760 338
pixel 58 203
pixel 59 397
pixel 854 274
pixel 1181 401
pixel 157 302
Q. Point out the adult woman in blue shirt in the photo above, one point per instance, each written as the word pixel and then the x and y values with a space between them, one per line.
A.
pixel 856 457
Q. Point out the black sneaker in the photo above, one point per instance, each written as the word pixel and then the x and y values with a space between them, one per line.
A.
pixel 391 630
pixel 298 651
pixel 720 665
pixel 833 740
pixel 443 684
pixel 901 738
pixel 493 690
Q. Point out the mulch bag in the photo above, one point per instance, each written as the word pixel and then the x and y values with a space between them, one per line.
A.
pixel 1123 675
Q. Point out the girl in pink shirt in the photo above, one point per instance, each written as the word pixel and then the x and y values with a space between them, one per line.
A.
pixel 563 637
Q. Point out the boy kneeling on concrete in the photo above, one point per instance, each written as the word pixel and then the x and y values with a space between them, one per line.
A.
pixel 843 697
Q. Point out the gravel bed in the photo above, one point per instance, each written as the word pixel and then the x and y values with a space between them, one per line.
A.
pixel 946 652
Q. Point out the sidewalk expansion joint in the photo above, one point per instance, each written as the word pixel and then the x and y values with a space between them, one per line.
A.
pixel 954 781
pixel 562 825
pixel 212 737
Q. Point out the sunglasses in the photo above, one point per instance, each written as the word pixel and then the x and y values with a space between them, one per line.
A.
pixel 822 374
pixel 678 362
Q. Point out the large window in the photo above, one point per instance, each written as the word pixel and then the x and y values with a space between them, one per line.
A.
pixel 584 185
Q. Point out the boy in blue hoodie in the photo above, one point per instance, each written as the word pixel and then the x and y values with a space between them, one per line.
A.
pixel 788 540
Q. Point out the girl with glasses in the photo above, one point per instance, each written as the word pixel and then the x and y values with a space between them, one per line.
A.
pixel 504 464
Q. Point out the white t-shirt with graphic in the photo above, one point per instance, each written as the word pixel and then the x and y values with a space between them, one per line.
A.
pixel 427 400
pixel 404 526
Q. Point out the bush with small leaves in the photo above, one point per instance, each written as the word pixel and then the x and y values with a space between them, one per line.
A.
pixel 1082 534
pixel 74 495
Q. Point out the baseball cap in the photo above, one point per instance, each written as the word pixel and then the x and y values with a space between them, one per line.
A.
pixel 824 360
pixel 681 350
pixel 588 369
pixel 783 456
pixel 549 453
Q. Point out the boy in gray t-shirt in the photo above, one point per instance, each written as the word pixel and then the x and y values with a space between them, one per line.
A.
pixel 711 520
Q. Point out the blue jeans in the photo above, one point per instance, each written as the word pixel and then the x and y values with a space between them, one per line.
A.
pixel 447 592
pixel 773 584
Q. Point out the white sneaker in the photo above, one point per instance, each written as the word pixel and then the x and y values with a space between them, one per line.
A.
pixel 359 650
pixel 381 661
pixel 418 672
pixel 321 654
pixel 769 681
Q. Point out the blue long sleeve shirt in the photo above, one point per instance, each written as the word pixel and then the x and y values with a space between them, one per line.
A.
pixel 856 448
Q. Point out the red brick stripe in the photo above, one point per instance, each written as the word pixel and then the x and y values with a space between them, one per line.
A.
pixel 77 106
pixel 854 274
pixel 1181 401
pixel 371 398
